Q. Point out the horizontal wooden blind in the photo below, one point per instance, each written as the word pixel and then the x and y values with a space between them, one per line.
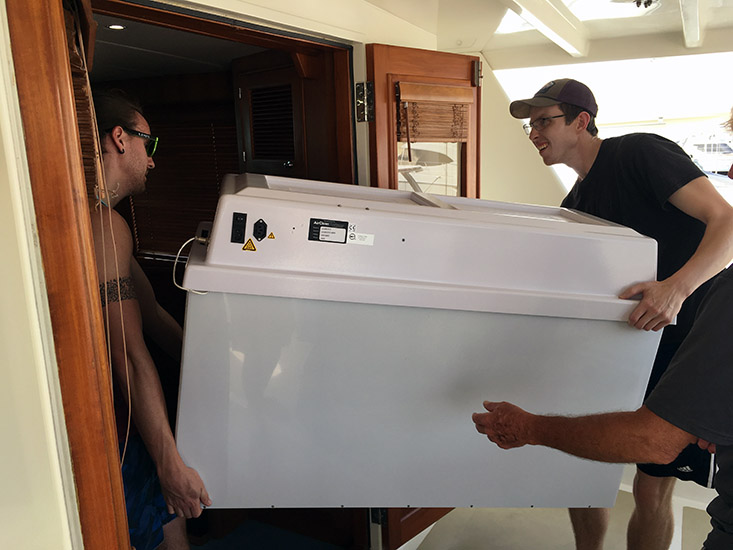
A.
pixel 433 113
pixel 433 122
pixel 84 111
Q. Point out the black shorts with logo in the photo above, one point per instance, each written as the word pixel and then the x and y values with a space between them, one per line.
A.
pixel 692 464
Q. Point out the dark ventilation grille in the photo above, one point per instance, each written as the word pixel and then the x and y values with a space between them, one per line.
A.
pixel 272 123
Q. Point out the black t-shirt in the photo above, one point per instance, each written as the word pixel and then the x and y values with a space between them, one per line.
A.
pixel 630 183
pixel 696 395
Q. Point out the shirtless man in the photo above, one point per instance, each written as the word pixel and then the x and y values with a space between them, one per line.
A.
pixel 160 490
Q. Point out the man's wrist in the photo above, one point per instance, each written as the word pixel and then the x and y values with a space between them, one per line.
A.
pixel 171 465
pixel 681 285
pixel 533 426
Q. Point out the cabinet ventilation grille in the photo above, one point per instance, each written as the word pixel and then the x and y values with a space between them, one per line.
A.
pixel 272 123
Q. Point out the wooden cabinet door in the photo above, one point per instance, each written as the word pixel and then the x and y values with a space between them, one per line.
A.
pixel 439 83
pixel 294 113
pixel 270 107
pixel 433 77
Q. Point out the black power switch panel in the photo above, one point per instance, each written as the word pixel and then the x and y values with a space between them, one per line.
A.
pixel 260 230
pixel 238 222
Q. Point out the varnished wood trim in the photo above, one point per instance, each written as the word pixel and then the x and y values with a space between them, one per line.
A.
pixel 45 91
pixel 88 29
pixel 379 131
pixel 308 66
pixel 476 121
pixel 344 106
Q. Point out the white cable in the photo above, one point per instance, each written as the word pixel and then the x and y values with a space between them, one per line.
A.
pixel 175 263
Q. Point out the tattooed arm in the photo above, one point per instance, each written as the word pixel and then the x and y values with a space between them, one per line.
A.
pixel 117 290
pixel 133 368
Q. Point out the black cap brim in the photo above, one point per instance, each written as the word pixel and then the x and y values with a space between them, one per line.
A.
pixel 521 107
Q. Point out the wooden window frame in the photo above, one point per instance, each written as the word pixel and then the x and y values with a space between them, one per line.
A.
pixel 389 65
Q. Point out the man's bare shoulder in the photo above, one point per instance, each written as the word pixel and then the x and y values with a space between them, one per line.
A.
pixel 109 229
pixel 113 245
pixel 104 217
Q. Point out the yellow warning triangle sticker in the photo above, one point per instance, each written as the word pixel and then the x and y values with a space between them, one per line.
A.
pixel 249 245
pixel 271 236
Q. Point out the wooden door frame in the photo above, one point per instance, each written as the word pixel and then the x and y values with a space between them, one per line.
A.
pixel 45 92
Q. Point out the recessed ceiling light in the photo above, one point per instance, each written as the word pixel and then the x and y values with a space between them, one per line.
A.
pixel 116 27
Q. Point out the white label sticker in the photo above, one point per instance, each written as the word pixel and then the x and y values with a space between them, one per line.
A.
pixel 332 234
pixel 361 238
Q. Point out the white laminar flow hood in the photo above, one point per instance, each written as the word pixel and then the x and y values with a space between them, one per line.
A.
pixel 348 333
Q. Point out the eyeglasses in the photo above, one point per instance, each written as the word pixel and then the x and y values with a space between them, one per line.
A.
pixel 539 124
pixel 152 143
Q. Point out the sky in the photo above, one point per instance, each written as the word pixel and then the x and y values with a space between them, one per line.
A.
pixel 677 97
pixel 641 89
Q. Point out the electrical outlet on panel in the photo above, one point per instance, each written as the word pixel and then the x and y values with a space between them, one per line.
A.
pixel 260 229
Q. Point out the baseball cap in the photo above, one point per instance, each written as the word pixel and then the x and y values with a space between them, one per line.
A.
pixel 564 90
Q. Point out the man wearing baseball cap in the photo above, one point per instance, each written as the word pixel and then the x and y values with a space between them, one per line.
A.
pixel 648 183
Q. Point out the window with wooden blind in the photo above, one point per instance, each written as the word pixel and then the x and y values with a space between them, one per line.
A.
pixel 433 113
pixel 425 135
pixel 433 126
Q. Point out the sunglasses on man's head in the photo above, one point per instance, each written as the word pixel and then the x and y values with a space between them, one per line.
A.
pixel 152 142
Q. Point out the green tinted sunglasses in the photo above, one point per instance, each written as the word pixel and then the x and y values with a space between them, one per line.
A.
pixel 152 143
